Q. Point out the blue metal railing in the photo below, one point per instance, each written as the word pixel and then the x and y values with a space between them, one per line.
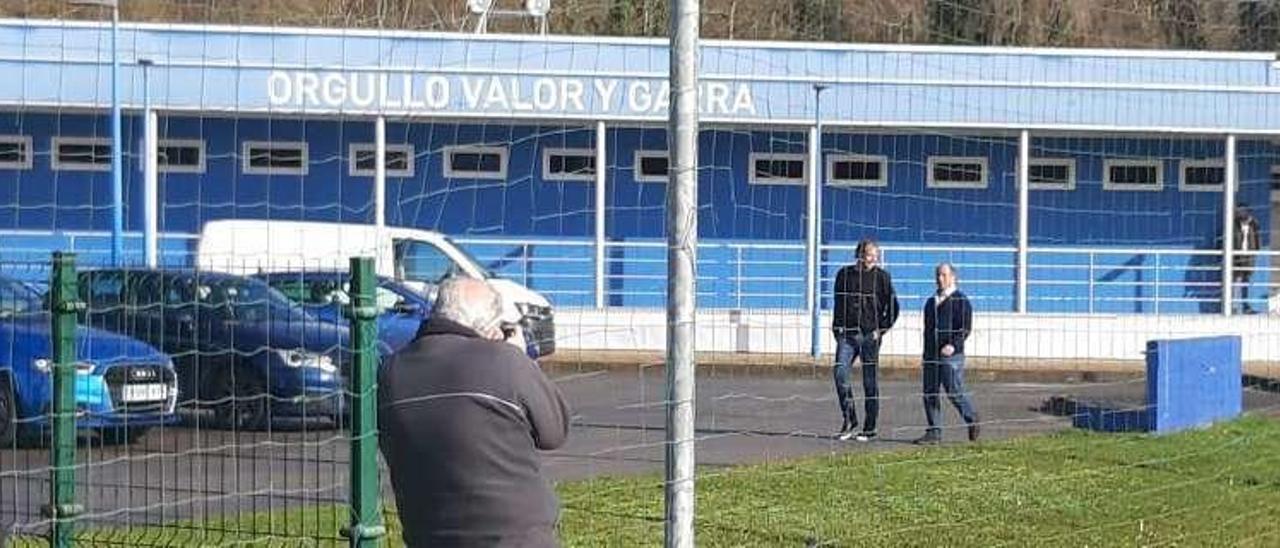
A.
pixel 771 275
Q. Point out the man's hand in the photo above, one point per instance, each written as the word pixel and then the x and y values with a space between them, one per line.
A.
pixel 515 337
pixel 948 350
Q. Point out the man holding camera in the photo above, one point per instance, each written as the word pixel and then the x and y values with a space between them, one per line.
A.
pixel 462 413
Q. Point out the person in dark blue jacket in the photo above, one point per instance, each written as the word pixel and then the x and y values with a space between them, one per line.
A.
pixel 948 320
pixel 866 307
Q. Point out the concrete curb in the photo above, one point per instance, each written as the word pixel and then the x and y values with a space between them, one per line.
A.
pixel 978 368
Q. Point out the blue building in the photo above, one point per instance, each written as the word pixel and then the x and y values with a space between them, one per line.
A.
pixel 504 141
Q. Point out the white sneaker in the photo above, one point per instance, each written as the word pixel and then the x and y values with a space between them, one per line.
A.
pixel 865 436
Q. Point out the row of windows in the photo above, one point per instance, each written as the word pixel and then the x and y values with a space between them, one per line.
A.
pixel 490 162
pixel 971 172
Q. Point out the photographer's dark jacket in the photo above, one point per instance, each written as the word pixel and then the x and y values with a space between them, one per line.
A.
pixel 461 420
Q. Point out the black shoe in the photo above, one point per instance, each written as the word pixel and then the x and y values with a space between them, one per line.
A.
pixel 846 430
pixel 930 437
pixel 974 430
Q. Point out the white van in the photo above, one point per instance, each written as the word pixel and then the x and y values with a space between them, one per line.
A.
pixel 419 258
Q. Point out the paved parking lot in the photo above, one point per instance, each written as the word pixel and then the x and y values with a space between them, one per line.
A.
pixel 186 472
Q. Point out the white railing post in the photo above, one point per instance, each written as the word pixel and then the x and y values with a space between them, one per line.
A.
pixel 737 276
pixel 813 266
pixel 1092 295
pixel 380 172
pixel 1228 227
pixel 1024 199
pixel 601 166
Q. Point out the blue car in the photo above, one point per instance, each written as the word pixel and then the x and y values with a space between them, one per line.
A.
pixel 325 293
pixel 123 386
pixel 239 346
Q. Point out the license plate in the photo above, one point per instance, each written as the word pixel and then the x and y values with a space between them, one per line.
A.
pixel 145 392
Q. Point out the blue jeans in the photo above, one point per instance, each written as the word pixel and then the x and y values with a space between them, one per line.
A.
pixel 948 372
pixel 851 345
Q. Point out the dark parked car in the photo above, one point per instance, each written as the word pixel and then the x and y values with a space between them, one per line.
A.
pixel 123 386
pixel 325 293
pixel 239 346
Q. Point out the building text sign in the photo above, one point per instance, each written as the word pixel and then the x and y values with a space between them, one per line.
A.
pixel 495 93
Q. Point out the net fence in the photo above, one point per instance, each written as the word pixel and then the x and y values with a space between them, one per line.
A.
pixel 211 391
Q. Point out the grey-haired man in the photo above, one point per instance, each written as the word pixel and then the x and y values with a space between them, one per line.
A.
pixel 462 415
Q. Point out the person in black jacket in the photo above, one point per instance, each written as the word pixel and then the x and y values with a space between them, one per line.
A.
pixel 461 417
pixel 1247 242
pixel 866 307
pixel 948 320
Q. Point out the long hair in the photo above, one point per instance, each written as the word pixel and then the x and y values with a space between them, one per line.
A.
pixel 862 247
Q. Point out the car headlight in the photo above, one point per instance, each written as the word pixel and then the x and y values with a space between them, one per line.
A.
pixel 299 358
pixel 45 365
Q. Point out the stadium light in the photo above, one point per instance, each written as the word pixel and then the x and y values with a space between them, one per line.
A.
pixel 537 8
pixel 117 175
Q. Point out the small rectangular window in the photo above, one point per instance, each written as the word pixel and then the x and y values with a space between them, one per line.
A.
pixel 1052 174
pixel 475 162
pixel 1203 175
pixel 1133 175
pixel 652 166
pixel 275 158
pixel 81 154
pixel 361 160
pixel 777 169
pixel 857 170
pixel 957 172
pixel 15 152
pixel 568 165
pixel 180 156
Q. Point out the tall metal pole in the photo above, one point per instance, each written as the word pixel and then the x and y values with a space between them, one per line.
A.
pixel 1229 227
pixel 682 243
pixel 1024 201
pixel 117 143
pixel 601 161
pixel 150 161
pixel 813 269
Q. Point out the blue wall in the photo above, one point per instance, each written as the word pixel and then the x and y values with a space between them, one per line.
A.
pixel 731 210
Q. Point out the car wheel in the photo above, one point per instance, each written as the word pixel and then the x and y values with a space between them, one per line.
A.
pixel 8 414
pixel 242 399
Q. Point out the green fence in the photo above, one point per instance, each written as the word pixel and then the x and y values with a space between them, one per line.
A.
pixel 166 408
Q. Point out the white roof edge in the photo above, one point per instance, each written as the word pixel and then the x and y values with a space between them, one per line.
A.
pixel 720 43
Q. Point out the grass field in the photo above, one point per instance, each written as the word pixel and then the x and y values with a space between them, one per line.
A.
pixel 1207 488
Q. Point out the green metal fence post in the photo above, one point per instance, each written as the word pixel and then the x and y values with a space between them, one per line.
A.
pixel 64 303
pixel 365 529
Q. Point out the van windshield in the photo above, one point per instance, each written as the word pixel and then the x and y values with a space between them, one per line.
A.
pixel 423 261
pixel 488 274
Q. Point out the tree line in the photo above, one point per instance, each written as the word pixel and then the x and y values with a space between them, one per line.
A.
pixel 1246 25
